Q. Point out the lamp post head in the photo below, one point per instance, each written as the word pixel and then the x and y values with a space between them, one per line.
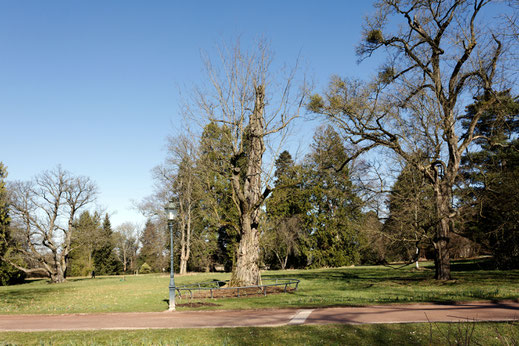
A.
pixel 171 210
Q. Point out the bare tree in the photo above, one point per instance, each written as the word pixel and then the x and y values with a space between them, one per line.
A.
pixel 282 239
pixel 126 245
pixel 254 105
pixel 184 185
pixel 43 211
pixel 177 179
pixel 439 57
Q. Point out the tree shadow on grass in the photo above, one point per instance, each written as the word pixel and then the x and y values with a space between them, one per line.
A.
pixel 342 275
pixel 27 296
pixel 486 263
pixel 387 286
pixel 97 278
pixel 474 270
pixel 320 335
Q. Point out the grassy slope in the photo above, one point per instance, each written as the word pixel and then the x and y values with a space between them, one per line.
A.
pixel 321 287
pixel 382 334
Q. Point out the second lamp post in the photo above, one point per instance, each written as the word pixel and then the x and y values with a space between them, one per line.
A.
pixel 171 213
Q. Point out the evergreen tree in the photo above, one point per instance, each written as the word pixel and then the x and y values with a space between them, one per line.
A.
pixel 336 208
pixel 373 246
pixel 412 222
pixel 285 234
pixel 105 260
pixel 218 216
pixel 153 245
pixel 85 240
pixel 8 273
pixel 492 176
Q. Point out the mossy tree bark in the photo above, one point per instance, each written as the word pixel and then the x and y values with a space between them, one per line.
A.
pixel 249 198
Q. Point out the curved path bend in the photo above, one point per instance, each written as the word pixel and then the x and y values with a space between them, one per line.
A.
pixel 473 311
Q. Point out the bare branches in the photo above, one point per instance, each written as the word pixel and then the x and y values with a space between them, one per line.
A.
pixel 441 55
pixel 434 59
pixel 40 209
pixel 254 104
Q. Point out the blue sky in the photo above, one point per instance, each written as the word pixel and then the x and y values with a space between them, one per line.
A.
pixel 94 85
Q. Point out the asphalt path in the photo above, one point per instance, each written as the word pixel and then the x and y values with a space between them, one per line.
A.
pixel 473 311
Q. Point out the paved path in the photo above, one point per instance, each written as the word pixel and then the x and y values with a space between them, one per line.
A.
pixel 475 311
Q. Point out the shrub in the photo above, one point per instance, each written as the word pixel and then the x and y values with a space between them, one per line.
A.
pixel 145 268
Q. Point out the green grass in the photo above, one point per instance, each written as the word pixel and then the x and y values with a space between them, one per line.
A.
pixel 381 334
pixel 363 285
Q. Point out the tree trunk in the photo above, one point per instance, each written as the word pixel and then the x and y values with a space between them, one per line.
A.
pixel 249 198
pixel 57 273
pixel 441 242
pixel 58 276
pixel 65 266
pixel 187 242
pixel 183 259
pixel 282 261
pixel 183 262
pixel 183 266
pixel 125 261
pixel 246 272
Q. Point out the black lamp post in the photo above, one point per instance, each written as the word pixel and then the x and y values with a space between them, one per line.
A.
pixel 171 213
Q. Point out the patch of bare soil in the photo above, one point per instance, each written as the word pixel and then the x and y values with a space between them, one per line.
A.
pixel 229 292
pixel 196 305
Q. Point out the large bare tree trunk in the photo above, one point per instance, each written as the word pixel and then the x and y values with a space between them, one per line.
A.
pixel 442 178
pixel 441 241
pixel 248 198
pixel 246 272
pixel 58 276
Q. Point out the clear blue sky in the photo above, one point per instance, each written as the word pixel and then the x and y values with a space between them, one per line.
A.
pixel 94 85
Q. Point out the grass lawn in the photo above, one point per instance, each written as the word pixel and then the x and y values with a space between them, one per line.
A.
pixel 362 285
pixel 381 334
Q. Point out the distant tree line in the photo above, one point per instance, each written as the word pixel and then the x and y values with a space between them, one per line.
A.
pixel 314 217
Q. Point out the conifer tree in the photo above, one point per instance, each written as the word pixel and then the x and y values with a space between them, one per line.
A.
pixel 153 245
pixel 105 261
pixel 85 240
pixel 8 274
pixel 411 223
pixel 287 207
pixel 217 212
pixel 336 208
pixel 491 174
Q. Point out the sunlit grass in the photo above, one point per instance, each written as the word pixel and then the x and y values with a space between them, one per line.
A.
pixel 380 334
pixel 363 285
